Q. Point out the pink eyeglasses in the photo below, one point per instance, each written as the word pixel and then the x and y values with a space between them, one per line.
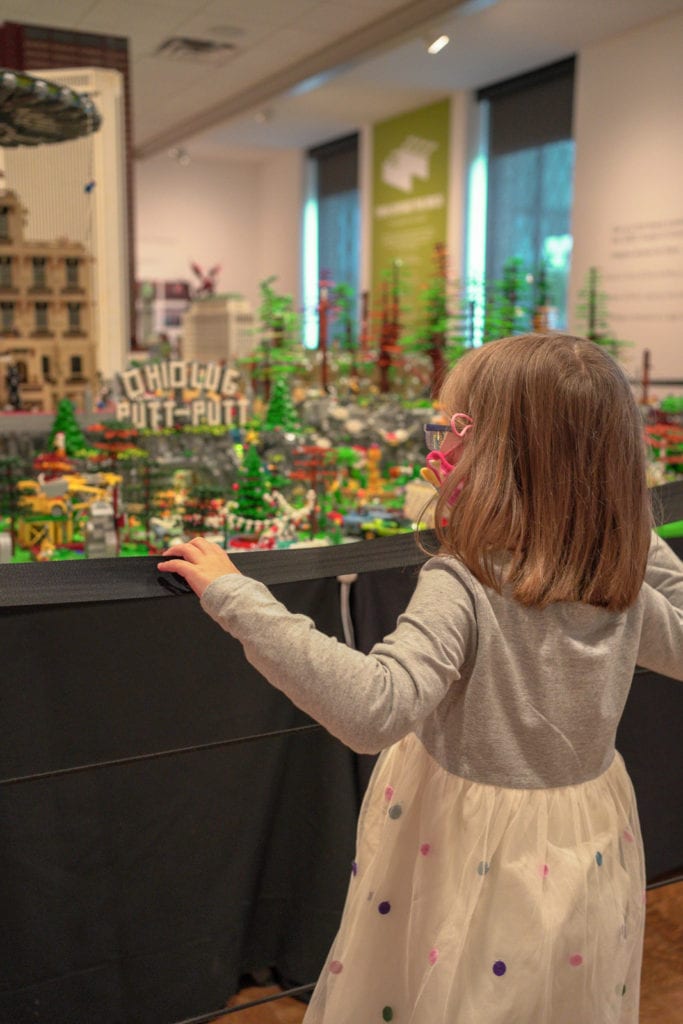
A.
pixel 436 433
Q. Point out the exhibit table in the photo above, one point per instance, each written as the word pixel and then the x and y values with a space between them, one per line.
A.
pixel 168 821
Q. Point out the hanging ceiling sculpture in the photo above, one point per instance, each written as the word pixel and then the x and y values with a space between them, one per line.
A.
pixel 33 111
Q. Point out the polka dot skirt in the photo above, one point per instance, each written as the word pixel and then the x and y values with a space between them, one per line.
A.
pixel 471 903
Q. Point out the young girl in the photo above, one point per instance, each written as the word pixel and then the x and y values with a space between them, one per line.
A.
pixel 499 873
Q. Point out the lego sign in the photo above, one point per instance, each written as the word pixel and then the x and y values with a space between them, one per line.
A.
pixel 176 393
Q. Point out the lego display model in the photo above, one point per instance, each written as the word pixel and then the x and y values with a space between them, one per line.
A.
pixel 282 447
pixel 34 111
pixel 46 302
pixel 46 318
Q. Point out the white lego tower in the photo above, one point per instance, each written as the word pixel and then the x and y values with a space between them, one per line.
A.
pixel 218 329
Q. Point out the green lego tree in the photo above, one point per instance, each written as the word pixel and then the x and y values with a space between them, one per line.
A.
pixel 279 351
pixel 441 334
pixel 592 314
pixel 281 410
pixel 505 311
pixel 346 333
pixel 65 422
pixel 252 488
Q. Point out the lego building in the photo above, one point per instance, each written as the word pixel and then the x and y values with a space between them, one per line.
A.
pixel 47 344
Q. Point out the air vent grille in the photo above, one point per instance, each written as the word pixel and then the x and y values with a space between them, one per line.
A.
pixel 201 51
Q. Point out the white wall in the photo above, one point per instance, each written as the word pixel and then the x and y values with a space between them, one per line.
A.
pixel 281 197
pixel 628 199
pixel 241 215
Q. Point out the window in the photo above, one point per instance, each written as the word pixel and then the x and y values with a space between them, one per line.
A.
pixel 530 165
pixel 4 223
pixel 5 271
pixel 74 316
pixel 7 316
pixel 41 316
pixel 39 276
pixel 331 224
pixel 72 272
pixel 45 365
pixel 76 366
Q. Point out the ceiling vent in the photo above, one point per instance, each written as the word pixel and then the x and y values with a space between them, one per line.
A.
pixel 201 51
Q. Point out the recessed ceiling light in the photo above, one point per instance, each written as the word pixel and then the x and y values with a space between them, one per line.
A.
pixel 437 45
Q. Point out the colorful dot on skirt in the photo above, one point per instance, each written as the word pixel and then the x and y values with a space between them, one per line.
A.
pixel 620 990
pixel 483 867
pixel 598 859
pixel 388 793
pixel 433 956
pixel 336 967
pixel 425 848
pixel 384 907
pixel 387 1013
pixel 543 870
pixel 499 968
pixel 395 812
pixel 354 868
pixel 628 835
pixel 576 959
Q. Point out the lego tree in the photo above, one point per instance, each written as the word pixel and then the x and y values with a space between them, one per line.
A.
pixel 542 299
pixel 345 333
pixel 281 409
pixel 390 329
pixel 441 331
pixel 115 440
pixel 312 465
pixel 505 311
pixel 592 314
pixel 324 309
pixel 11 471
pixel 278 353
pixel 65 422
pixel 203 509
pixel 144 480
pixel 252 488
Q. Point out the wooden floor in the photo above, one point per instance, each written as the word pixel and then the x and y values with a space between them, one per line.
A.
pixel 661 988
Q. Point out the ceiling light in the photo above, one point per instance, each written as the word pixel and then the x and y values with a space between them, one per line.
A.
pixel 436 45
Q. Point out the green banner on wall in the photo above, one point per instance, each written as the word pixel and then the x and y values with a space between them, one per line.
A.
pixel 409 202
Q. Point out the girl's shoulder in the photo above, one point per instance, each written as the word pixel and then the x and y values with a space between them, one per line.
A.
pixel 447 576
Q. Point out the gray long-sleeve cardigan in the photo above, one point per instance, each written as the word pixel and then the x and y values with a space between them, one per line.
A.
pixel 497 693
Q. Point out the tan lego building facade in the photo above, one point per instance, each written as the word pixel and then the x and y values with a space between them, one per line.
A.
pixel 46 316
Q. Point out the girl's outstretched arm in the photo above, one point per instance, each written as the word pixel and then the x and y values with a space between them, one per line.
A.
pixel 199 562
pixel 367 701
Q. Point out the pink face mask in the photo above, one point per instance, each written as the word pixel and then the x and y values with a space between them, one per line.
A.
pixel 446 444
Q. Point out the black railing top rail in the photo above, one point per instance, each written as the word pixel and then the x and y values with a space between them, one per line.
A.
pixel 112 579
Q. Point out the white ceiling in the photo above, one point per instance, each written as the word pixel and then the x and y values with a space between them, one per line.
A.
pixel 305 71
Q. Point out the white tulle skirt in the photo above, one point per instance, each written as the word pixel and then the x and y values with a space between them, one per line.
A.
pixel 474 904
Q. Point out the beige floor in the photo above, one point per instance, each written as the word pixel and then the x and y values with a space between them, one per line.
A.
pixel 662 979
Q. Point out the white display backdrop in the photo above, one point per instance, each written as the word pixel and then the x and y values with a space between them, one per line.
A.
pixel 628 193
pixel 243 216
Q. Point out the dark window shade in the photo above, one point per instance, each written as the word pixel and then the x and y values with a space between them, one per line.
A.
pixel 337 166
pixel 530 110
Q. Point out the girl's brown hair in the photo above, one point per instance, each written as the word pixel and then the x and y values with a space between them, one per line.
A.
pixel 553 472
